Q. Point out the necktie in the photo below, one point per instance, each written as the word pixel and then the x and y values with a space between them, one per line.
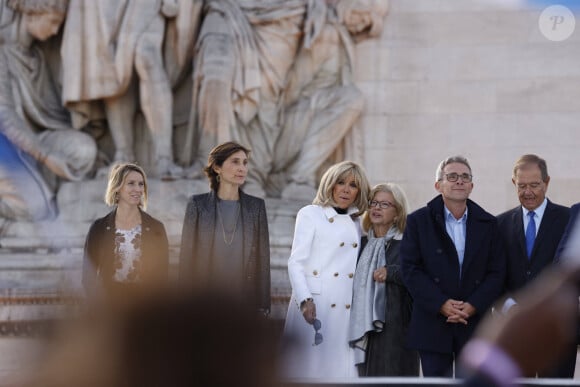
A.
pixel 530 233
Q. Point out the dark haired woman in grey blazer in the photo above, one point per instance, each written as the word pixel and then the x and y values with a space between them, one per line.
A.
pixel 225 241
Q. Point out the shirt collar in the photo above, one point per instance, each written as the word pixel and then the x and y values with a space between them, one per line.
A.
pixel 539 210
pixel 449 216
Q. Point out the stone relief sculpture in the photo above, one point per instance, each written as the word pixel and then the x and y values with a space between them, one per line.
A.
pixel 37 141
pixel 277 75
pixel 273 74
pixel 243 55
pixel 113 52
pixel 321 101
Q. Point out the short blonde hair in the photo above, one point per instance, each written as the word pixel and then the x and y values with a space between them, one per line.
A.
pixel 338 172
pixel 117 178
pixel 401 205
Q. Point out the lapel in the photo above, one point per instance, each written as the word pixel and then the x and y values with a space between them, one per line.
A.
pixel 248 215
pixel 110 219
pixel 519 234
pixel 146 239
pixel 473 237
pixel 439 218
pixel 207 215
pixel 545 226
pixel 476 233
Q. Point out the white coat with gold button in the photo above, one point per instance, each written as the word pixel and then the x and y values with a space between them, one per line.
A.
pixel 321 266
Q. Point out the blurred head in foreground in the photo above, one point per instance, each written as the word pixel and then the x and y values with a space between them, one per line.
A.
pixel 199 340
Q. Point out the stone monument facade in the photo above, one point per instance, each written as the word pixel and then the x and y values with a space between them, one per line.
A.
pixel 303 82
pixel 160 82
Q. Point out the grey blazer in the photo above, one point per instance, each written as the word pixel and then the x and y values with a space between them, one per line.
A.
pixel 197 249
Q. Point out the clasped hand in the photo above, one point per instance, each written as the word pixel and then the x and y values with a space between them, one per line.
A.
pixel 380 274
pixel 457 311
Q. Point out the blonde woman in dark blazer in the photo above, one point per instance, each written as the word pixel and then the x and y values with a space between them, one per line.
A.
pixel 126 252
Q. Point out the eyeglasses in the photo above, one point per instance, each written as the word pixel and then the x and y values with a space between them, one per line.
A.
pixel 317 335
pixel 452 177
pixel 383 205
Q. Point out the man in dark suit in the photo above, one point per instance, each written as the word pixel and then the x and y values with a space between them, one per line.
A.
pixel 453 266
pixel 531 233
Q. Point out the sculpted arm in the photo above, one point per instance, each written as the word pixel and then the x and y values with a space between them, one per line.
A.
pixel 214 73
pixel 19 132
pixel 11 124
pixel 309 62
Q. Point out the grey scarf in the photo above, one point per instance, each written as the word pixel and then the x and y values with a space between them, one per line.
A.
pixel 369 297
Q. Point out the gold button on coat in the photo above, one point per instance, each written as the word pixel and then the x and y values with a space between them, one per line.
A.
pixel 347 306
pixel 355 245
pixel 341 244
pixel 350 275
pixel 331 220
pixel 315 272
pixel 336 274
pixel 333 305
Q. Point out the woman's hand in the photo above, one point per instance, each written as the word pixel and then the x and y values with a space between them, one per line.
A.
pixel 309 311
pixel 380 275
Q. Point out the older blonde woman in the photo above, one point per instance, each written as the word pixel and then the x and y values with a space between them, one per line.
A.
pixel 381 303
pixel 321 269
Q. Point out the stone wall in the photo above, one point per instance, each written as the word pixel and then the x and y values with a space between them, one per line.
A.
pixel 474 78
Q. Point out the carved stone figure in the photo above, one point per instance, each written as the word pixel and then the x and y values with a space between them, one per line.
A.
pixel 272 74
pixel 321 101
pixel 277 75
pixel 244 52
pixel 113 51
pixel 36 137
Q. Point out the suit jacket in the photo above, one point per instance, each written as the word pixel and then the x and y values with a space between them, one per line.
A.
pixel 567 232
pixel 430 266
pixel 197 241
pixel 560 251
pixel 520 269
pixel 99 253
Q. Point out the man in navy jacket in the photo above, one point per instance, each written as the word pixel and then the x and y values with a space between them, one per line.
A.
pixel 453 265
pixel 530 178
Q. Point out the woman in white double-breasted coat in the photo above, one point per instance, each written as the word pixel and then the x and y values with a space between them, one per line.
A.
pixel 321 269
